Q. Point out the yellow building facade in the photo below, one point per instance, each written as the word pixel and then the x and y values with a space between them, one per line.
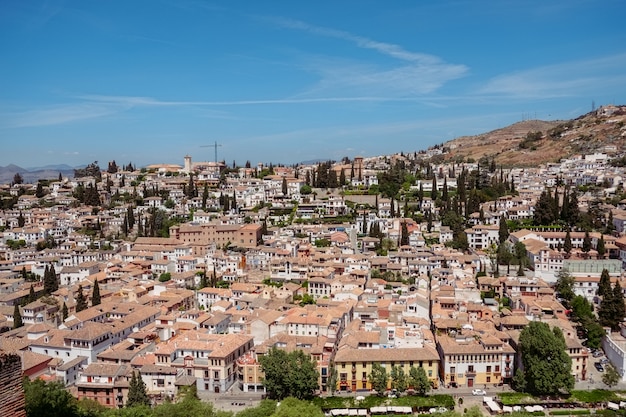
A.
pixel 355 365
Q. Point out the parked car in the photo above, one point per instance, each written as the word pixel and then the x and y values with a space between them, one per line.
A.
pixel 478 391
pixel 604 361
pixel 597 353
pixel 599 366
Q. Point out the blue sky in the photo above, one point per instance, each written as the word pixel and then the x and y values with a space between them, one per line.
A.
pixel 149 81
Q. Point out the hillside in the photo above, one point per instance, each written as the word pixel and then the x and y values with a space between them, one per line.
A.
pixel 603 130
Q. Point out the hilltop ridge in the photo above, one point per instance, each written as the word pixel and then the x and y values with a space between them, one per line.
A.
pixel 535 142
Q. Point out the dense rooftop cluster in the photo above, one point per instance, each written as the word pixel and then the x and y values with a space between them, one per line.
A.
pixel 191 274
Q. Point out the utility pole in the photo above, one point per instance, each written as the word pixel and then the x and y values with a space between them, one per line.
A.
pixel 215 145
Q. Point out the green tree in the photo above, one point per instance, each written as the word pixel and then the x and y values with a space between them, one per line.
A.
pixel 519 381
pixel 342 178
pixel 378 378
pixel 64 312
pixel 565 285
pixel 17 178
pixel 284 186
pixel 567 245
pixel 95 295
pixel 264 409
pixel 39 192
pixel 545 209
pixel 581 308
pixel 21 220
pixel 418 380
pixel 503 230
pixel 137 394
pixel 520 253
pixel 48 399
pixel 90 408
pixel 17 316
pixel 547 366
pixel 404 238
pixel 612 308
pixel 293 407
pixel 611 377
pixel 306 189
pixel 191 189
pixel 595 332
pixel 50 283
pixel 292 374
pixel 399 380
pixel 586 242
pixel 331 384
pixel 205 195
pixel 31 294
pixel 604 285
pixel 600 247
pixel 81 301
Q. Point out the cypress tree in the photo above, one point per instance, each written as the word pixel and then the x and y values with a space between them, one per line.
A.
pixel 39 192
pixel 503 231
pixel 137 394
pixel 618 304
pixel 81 302
pixel 600 247
pixel 50 283
pixel 31 294
pixel 567 245
pixel 205 195
pixel 131 217
pixel 420 195
pixel 17 317
pixel 586 242
pixel 214 277
pixel 604 285
pixel 95 297
pixel 64 311
pixel 404 239
pixel 433 193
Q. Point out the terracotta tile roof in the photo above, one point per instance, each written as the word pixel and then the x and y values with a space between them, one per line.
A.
pixel 426 353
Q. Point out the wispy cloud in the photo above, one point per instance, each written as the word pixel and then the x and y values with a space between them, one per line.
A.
pixel 407 72
pixel 133 101
pixel 54 115
pixel 560 80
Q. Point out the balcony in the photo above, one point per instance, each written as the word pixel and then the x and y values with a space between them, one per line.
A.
pixel 470 373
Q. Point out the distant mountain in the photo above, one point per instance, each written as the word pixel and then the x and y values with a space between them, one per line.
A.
pixel 33 175
pixel 535 142
pixel 12 169
pixel 61 167
pixel 312 161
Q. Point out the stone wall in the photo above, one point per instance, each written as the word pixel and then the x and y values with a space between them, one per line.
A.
pixel 11 389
